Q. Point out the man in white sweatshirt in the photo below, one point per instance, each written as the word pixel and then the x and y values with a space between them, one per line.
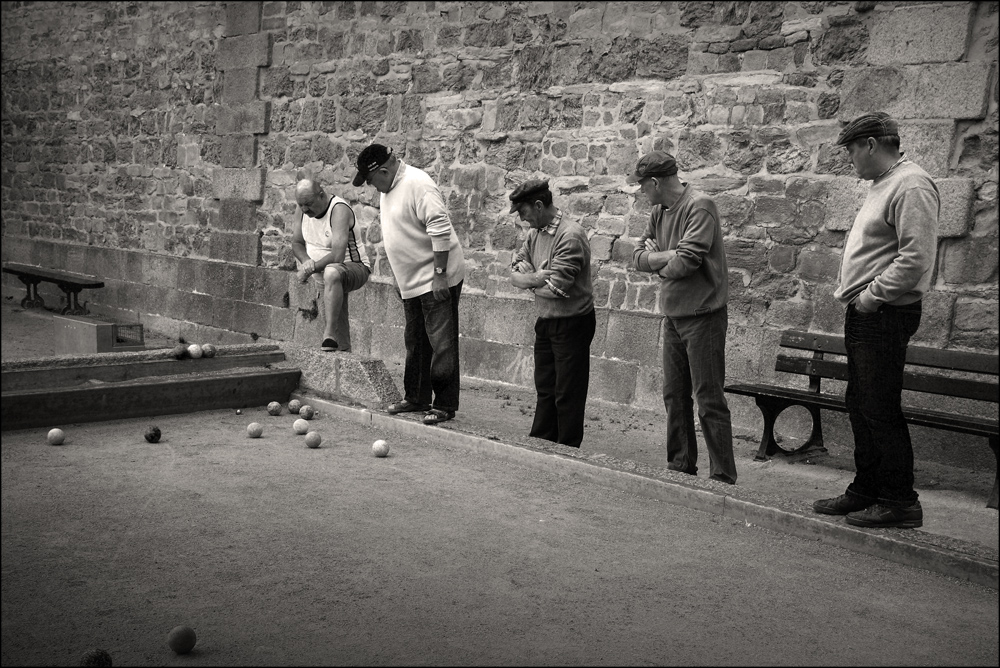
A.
pixel 427 261
pixel 886 269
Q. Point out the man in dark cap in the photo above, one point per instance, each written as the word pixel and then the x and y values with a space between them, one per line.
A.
pixel 683 245
pixel 427 261
pixel 554 263
pixel 885 270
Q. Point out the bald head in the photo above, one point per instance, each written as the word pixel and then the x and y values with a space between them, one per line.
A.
pixel 310 197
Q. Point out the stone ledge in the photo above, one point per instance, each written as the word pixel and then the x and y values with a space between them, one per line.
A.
pixel 343 376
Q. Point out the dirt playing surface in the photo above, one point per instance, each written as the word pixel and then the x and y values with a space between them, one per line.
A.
pixel 277 554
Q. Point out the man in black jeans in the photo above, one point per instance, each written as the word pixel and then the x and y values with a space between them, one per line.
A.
pixel 554 264
pixel 886 269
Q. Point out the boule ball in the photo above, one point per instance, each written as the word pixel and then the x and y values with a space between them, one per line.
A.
pixel 55 437
pixel 274 408
pixel 300 426
pixel 380 448
pixel 208 350
pixel 180 351
pixel 96 658
pixel 313 439
pixel 195 351
pixel 255 429
pixel 294 405
pixel 181 639
pixel 307 412
pixel 153 434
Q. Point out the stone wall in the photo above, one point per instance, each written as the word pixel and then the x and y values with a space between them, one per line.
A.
pixel 156 145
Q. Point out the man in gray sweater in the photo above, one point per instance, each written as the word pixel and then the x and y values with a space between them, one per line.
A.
pixel 554 263
pixel 885 270
pixel 683 245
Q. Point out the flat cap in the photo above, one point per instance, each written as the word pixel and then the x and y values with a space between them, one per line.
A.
pixel 878 124
pixel 526 190
pixel 656 163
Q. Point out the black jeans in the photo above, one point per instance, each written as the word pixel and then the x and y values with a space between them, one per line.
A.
pixel 562 377
pixel 876 354
pixel 431 338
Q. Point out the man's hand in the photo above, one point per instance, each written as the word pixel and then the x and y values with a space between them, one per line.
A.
pixel 440 287
pixel 651 245
pixel 306 269
pixel 535 279
pixel 523 267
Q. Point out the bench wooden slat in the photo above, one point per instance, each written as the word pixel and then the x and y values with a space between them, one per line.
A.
pixel 956 360
pixel 964 388
pixel 968 424
pixel 56 276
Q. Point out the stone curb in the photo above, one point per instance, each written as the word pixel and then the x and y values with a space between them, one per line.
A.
pixel 955 563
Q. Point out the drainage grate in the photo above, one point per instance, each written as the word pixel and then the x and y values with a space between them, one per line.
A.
pixel 122 335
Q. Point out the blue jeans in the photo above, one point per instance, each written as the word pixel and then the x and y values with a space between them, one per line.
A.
pixel 694 363
pixel 431 339
pixel 876 354
pixel 562 377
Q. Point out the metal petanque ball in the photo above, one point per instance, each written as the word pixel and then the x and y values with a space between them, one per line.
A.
pixel 180 351
pixel 294 405
pixel 255 429
pixel 300 426
pixel 313 439
pixel 380 448
pixel 55 437
pixel 307 412
pixel 96 658
pixel 208 350
pixel 181 639
pixel 153 434
pixel 274 408
pixel 195 351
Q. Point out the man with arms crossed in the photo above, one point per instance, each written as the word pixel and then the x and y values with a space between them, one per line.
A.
pixel 683 245
pixel 885 271
pixel 554 263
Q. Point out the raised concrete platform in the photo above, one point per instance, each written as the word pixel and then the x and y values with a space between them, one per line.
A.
pixel 343 377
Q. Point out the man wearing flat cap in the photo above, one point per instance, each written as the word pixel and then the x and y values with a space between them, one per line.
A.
pixel 554 264
pixel 885 270
pixel 429 267
pixel 683 245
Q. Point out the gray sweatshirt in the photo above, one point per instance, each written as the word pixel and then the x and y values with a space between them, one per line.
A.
pixel 890 251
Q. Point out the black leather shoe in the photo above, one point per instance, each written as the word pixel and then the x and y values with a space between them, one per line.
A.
pixel 878 516
pixel 841 505
pixel 406 406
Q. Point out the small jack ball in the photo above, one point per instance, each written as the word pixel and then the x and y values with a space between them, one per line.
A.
pixel 153 434
pixel 181 639
pixel 239 412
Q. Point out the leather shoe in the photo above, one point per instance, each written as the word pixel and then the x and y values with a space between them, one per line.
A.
pixel 406 406
pixel 878 516
pixel 841 505
pixel 436 415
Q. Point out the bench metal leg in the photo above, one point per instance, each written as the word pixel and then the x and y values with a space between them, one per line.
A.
pixel 72 302
pixel 770 409
pixel 33 299
pixel 995 446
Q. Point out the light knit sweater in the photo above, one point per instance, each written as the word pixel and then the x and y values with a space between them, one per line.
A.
pixel 890 251
pixel 415 224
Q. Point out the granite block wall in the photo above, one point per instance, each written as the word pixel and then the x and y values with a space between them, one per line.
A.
pixel 156 144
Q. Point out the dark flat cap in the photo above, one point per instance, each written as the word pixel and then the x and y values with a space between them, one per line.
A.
pixel 525 191
pixel 371 158
pixel 656 163
pixel 878 124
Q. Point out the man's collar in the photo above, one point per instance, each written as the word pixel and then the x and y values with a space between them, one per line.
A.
pixel 400 168
pixel 551 228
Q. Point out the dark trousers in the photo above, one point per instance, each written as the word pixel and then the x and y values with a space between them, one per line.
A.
pixel 431 338
pixel 694 367
pixel 562 377
pixel 876 353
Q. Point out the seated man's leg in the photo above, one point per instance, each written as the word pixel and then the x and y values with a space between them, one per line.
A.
pixel 347 277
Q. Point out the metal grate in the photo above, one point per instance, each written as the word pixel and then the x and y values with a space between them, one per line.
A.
pixel 123 335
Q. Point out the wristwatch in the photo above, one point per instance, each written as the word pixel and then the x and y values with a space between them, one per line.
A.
pixel 439 270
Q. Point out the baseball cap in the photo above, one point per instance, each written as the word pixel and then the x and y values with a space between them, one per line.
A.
pixel 656 163
pixel 371 158
pixel 878 124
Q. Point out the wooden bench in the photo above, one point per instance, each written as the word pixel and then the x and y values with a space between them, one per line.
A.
pixel 773 399
pixel 71 284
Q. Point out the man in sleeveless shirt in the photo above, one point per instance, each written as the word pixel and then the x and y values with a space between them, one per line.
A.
pixel 325 244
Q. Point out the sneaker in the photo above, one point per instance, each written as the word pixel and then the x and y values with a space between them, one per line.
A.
pixel 436 415
pixel 841 505
pixel 406 406
pixel 328 345
pixel 879 516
